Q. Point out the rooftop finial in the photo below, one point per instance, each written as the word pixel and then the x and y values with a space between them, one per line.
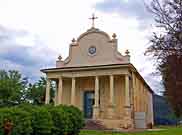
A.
pixel 59 57
pixel 73 40
pixel 114 35
pixel 93 20
pixel 127 52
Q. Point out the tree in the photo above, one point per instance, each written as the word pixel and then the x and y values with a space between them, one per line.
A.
pixel 166 48
pixel 12 87
pixel 172 80
pixel 36 91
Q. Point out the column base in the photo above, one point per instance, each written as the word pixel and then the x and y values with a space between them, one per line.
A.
pixel 128 121
pixel 110 112
pixel 96 110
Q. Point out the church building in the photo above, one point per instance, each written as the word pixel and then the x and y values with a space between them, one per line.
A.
pixel 102 82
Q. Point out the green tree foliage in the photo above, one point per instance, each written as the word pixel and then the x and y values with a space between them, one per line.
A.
pixel 36 91
pixel 12 87
pixel 166 47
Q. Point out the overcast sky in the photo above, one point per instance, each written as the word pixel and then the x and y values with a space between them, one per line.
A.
pixel 34 32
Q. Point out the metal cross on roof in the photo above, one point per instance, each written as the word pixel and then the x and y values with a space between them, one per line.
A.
pixel 93 20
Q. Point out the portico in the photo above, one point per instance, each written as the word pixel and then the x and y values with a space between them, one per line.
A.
pixel 95 78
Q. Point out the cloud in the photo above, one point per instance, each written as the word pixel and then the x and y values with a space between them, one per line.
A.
pixel 57 23
pixel 155 83
pixel 25 58
pixel 127 9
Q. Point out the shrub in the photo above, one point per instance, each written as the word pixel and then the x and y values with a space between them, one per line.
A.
pixel 28 107
pixel 76 118
pixel 67 120
pixel 41 122
pixel 61 121
pixel 21 120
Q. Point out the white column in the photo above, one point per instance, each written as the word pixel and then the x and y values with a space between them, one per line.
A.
pixel 96 91
pixel 132 89
pixel 127 91
pixel 111 98
pixel 96 105
pixel 73 91
pixel 129 123
pixel 60 91
pixel 47 96
pixel 56 93
pixel 111 90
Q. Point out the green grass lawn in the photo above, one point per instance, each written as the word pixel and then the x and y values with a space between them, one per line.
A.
pixel 164 131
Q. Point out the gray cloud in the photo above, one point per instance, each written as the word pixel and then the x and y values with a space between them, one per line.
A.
pixel 27 59
pixel 127 9
pixel 155 83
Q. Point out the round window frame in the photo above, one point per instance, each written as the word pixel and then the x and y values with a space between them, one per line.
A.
pixel 92 54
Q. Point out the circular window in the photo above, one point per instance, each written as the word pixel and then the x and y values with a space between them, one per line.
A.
pixel 92 50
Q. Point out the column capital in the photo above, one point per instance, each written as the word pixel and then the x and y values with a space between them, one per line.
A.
pixel 128 75
pixel 60 77
pixel 73 78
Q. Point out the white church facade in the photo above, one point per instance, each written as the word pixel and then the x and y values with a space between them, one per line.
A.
pixel 102 82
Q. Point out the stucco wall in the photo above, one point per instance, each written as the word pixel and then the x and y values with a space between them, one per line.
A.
pixel 119 96
pixel 150 115
pixel 66 92
pixel 143 101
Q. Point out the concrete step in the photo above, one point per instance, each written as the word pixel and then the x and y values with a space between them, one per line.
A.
pixel 94 125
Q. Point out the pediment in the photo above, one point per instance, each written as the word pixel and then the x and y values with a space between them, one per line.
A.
pixel 94 47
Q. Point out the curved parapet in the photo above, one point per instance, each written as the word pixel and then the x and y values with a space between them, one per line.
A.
pixel 93 47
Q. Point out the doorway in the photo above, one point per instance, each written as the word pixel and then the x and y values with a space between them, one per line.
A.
pixel 88 104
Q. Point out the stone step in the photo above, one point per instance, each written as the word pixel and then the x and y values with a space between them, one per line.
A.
pixel 94 125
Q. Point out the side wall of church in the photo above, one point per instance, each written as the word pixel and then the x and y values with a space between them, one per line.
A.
pixel 143 100
pixel 150 116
